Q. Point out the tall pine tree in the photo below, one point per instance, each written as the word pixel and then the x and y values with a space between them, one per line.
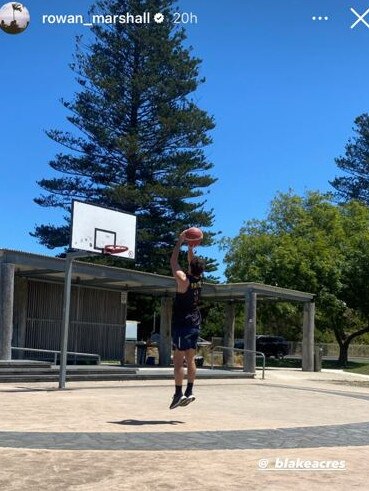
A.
pixel 139 137
pixel 355 163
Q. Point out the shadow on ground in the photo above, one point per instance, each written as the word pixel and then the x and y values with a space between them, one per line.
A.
pixel 141 422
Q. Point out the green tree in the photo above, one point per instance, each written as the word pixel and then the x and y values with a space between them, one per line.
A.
pixel 139 138
pixel 355 164
pixel 310 244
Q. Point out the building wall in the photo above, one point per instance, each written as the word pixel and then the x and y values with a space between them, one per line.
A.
pixel 96 320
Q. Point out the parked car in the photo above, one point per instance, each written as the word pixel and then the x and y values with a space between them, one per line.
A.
pixel 275 346
pixel 239 344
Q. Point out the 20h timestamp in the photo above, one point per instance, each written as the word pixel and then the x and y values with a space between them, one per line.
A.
pixel 185 18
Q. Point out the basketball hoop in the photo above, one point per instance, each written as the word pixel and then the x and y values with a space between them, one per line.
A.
pixel 102 230
pixel 110 250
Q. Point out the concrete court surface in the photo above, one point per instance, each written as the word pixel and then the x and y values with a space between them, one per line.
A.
pixel 236 436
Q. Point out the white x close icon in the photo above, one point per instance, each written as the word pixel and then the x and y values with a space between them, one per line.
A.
pixel 360 18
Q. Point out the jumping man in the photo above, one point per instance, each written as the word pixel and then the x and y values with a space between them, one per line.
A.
pixel 186 322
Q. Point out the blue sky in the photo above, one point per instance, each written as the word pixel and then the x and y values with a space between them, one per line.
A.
pixel 284 91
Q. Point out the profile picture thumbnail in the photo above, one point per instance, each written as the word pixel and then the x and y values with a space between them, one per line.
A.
pixel 14 18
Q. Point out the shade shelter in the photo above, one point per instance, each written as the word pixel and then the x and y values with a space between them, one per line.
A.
pixel 20 272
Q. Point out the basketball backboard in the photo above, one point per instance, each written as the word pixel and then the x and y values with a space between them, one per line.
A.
pixel 94 227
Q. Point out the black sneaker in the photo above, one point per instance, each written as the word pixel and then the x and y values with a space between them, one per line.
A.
pixel 177 401
pixel 188 400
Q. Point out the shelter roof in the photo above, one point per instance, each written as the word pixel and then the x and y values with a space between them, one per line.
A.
pixel 48 268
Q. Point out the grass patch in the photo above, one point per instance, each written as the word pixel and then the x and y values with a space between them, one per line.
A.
pixel 282 363
pixel 334 364
pixel 352 366
pixel 362 368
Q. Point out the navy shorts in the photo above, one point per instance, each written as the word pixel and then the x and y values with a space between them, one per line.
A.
pixel 185 338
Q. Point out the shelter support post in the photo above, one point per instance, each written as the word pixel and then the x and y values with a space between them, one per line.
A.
pixel 308 337
pixel 165 347
pixel 6 309
pixel 228 355
pixel 249 359
pixel 123 302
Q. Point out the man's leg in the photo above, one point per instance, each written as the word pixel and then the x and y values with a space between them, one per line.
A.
pixel 191 365
pixel 191 375
pixel 178 358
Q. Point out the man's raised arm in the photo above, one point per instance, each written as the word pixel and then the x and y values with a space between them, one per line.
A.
pixel 177 271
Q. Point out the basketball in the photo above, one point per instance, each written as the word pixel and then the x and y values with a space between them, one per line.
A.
pixel 193 236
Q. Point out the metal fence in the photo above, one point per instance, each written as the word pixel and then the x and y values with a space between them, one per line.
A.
pixel 220 349
pixel 332 349
pixel 329 349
